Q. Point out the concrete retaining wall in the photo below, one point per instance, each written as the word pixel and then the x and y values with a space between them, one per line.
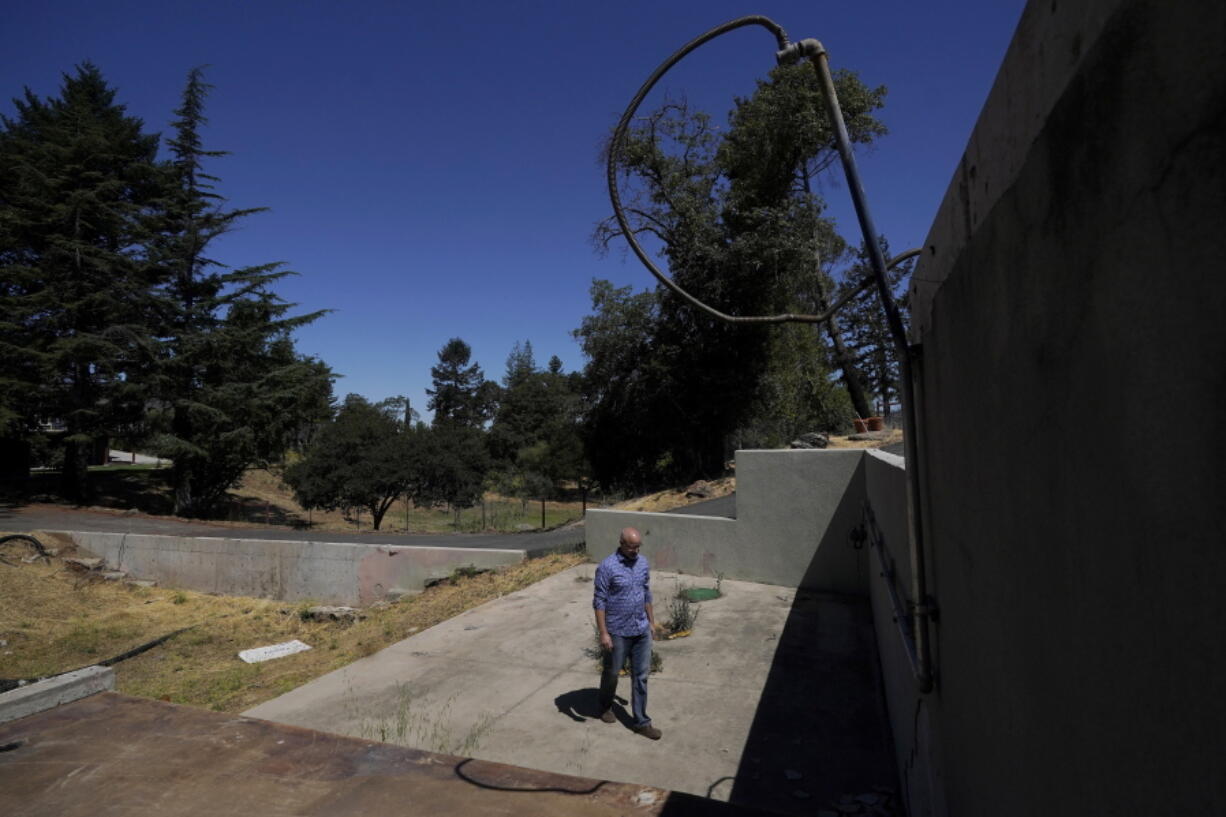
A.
pixel 1070 308
pixel 55 691
pixel 885 484
pixel 794 512
pixel 334 572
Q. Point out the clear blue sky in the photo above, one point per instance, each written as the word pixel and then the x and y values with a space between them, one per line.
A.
pixel 431 168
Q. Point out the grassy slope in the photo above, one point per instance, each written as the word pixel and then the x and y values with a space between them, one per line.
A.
pixel 55 620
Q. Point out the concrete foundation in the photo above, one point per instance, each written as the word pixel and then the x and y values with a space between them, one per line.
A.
pixel 332 572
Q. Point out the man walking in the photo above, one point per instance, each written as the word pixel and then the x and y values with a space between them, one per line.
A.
pixel 626 623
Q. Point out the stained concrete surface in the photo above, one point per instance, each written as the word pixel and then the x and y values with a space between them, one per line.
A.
pixel 114 754
pixel 514 677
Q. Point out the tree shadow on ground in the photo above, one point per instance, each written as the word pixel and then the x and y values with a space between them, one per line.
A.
pixel 123 487
pixel 258 511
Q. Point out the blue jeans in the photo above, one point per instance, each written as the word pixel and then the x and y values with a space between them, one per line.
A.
pixel 638 647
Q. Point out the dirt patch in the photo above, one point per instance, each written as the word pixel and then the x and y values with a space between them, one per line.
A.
pixel 53 619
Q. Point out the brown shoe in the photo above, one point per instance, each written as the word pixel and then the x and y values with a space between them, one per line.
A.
pixel 649 731
pixel 607 716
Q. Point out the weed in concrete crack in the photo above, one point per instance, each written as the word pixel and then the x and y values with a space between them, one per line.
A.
pixel 682 614
pixel 422 730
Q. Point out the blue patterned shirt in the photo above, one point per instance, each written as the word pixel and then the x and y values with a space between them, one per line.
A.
pixel 622 588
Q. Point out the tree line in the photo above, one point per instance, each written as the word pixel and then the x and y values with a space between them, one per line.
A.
pixel 115 319
pixel 667 393
pixel 521 438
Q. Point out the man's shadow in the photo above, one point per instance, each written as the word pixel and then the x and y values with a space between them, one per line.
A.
pixel 581 704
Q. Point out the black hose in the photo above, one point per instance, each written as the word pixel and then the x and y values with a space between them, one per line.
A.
pixel 38 546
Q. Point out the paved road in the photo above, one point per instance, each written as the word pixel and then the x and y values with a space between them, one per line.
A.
pixel 53 517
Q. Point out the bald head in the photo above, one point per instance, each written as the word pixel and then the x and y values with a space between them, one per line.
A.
pixel 629 542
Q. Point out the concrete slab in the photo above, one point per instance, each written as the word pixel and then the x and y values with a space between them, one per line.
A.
pixel 511 682
pixel 114 754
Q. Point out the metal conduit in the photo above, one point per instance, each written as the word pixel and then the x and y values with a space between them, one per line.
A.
pixel 918 650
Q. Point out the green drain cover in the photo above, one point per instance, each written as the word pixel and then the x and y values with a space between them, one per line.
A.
pixel 700 593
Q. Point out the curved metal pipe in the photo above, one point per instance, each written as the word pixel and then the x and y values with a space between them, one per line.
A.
pixel 922 608
pixel 813 49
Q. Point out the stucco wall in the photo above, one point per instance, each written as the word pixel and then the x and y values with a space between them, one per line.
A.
pixel 795 510
pixel 1072 327
pixel 338 573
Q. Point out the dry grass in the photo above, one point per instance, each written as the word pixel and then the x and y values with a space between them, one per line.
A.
pixel 889 437
pixel 53 620
pixel 262 498
pixel 676 498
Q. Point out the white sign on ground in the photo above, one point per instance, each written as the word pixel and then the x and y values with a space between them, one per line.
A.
pixel 258 654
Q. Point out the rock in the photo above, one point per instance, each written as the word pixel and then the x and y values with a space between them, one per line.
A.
pixel 142 583
pixel 525 526
pixel 699 490
pixel 645 797
pixel 792 774
pixel 83 565
pixel 131 512
pixel 814 439
pixel 114 575
pixel 328 613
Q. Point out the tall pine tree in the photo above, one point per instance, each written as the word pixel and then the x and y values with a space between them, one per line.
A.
pixel 77 177
pixel 461 395
pixel 231 390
